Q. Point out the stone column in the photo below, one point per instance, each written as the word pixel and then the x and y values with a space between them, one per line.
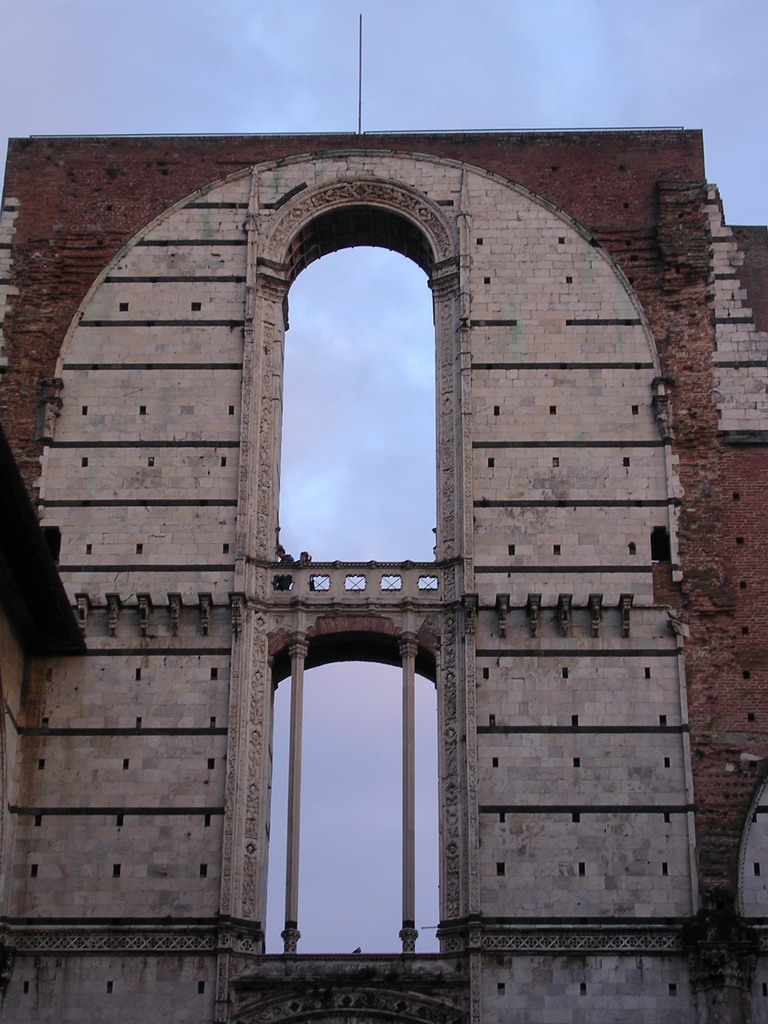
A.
pixel 291 934
pixel 408 933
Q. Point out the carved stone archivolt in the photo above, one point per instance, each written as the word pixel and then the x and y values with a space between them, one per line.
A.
pixel 355 190
pixel 340 1003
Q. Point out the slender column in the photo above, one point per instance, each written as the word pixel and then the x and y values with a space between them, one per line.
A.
pixel 408 933
pixel 291 934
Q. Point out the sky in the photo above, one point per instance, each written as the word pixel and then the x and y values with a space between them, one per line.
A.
pixel 358 469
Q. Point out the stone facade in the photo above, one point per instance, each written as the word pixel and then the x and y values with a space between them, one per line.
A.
pixel 594 619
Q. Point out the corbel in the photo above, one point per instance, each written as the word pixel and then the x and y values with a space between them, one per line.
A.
pixel 625 605
pixel 533 610
pixel 145 607
pixel 83 603
pixel 502 607
pixel 564 603
pixel 596 612
pixel 470 613
pixel 114 604
pixel 205 602
pixel 236 604
pixel 174 611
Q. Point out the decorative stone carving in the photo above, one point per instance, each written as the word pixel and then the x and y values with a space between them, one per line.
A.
pixel 533 608
pixel 625 607
pixel 660 404
pixel 113 612
pixel 470 603
pixel 174 612
pixel 83 603
pixel 564 602
pixel 237 604
pixel 502 607
pixel 290 937
pixel 596 612
pixel 50 406
pixel 205 602
pixel 408 937
pixel 145 608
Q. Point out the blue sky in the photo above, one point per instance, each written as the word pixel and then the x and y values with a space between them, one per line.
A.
pixel 220 66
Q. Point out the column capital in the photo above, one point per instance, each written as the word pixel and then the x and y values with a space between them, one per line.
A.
pixel 408 938
pixel 298 645
pixel 407 645
pixel 290 936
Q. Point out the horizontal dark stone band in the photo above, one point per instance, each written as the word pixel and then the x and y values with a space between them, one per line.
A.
pixel 152 366
pixel 493 323
pixel 736 364
pixel 591 322
pixel 144 444
pixel 143 567
pixel 563 366
pixel 570 444
pixel 154 652
pixel 130 731
pixel 5 280
pixel 216 206
pixel 90 923
pixel 5 245
pixel 592 730
pixel 734 320
pixel 133 811
pixel 586 809
pixel 557 569
pixel 209 242
pixel 733 276
pixel 565 652
pixel 579 503
pixel 141 503
pixel 161 323
pixel 178 279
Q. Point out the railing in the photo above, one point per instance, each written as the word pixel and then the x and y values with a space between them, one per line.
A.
pixel 367 581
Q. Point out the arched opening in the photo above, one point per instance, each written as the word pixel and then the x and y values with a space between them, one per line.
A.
pixel 350 867
pixel 358 435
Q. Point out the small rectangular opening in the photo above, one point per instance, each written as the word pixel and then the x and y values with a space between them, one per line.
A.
pixel 664 868
pixel 494 762
pixel 116 870
pixel 501 868
pixel 33 870
pixel 203 870
pixel 582 869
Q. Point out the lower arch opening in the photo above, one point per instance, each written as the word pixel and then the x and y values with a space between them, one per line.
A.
pixel 351 800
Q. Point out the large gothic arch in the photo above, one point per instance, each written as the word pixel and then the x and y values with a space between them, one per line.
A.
pixel 565 783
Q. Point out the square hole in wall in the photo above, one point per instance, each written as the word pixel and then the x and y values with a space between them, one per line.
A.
pixel 151 460
pixel 647 671
pixel 116 870
pixel 662 719
pixel 635 410
pixel 667 817
pixel 139 549
pixel 33 870
pixel 491 463
pixel 625 461
pixel 672 988
pixel 555 461
pixel 207 821
pixel 84 410
pixel 553 410
pixel 582 869
pixel 569 280
pixel 564 672
pixel 84 462
pixel 211 763
pixel 664 868
pixel 142 410
pixel 510 549
pixel 126 764
pixel 486 673
pixel 137 674
pixel 38 820
pixel 575 816
pixel 667 762
pixel 214 673
pixel 574 719
pixel 119 820
pixel 496 410
pixel 200 987
pixel 41 764
pixel 478 241
pixel 555 549
pixel 110 987
pixel 203 870
pixel 577 762
pixel 26 988
pixel 225 548
pixel 501 868
pixel 195 306
pixel 494 762
pixel 223 461
pixel 123 307
pixel 486 280
pixel 231 410
pixel 500 988
pixel 746 674
pixel 583 988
